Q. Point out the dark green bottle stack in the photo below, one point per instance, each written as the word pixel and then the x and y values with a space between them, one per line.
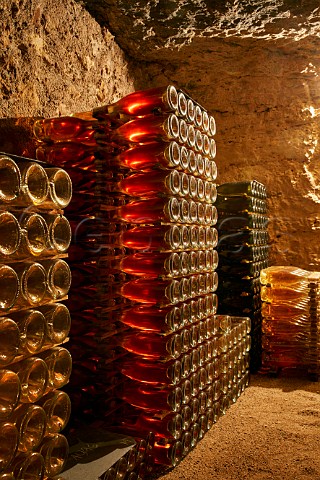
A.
pixel 243 253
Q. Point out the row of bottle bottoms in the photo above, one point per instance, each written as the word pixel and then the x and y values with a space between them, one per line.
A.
pixel 242 271
pixel 189 427
pixel 200 366
pixel 148 211
pixel 241 204
pixel 196 402
pixel 172 318
pixel 26 284
pixel 163 292
pixel 241 221
pixel 171 452
pixel 147 237
pixel 36 427
pixel 188 406
pixel 163 264
pixel 251 188
pixel 47 460
pixel 152 290
pixel 111 239
pixel 137 463
pixel 164 397
pixel 242 238
pixel 99 166
pixel 145 184
pixel 28 332
pixel 175 264
pixel 163 237
pixel 207 370
pixel 28 184
pixel 234 286
pixel 33 364
pixel 172 345
pixel 200 343
pixel 142 130
pixel 205 362
pixel 182 354
pixel 157 101
pixel 243 254
pixel 24 234
pixel 29 379
pixel 146 317
pixel 184 389
pixel 196 415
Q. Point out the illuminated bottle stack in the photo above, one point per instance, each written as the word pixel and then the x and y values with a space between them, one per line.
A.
pixel 290 319
pixel 243 253
pixel 171 256
pixel 34 279
pixel 180 363
pixel 144 260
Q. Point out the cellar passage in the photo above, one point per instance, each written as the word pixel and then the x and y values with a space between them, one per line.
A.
pixel 255 66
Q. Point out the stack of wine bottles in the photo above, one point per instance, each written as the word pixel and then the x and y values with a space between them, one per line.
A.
pixel 243 253
pixel 145 340
pixel 290 322
pixel 136 464
pixel 172 260
pixel 143 219
pixel 179 400
pixel 34 278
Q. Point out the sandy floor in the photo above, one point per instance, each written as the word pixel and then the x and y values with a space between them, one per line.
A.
pixel 271 432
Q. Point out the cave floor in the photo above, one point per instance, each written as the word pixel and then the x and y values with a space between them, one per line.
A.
pixel 271 432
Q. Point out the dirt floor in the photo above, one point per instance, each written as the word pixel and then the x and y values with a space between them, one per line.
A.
pixel 271 432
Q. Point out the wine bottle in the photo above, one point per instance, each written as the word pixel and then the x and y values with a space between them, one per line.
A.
pixel 65 128
pixel 284 276
pixel 140 103
pixel 147 129
pixel 252 188
pixel 241 204
pixel 151 371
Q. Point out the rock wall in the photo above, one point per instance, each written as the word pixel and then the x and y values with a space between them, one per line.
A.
pixel 256 67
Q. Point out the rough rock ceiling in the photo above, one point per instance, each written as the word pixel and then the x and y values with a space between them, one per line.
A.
pixel 154 29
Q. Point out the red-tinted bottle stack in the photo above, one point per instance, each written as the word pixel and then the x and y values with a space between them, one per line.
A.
pixel 34 280
pixel 144 261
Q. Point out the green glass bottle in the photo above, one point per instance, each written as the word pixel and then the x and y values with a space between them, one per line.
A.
pixel 241 203
pixel 244 270
pixel 232 222
pixel 252 188
pixel 243 237
pixel 243 254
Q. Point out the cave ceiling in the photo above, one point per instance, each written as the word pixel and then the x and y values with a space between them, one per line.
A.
pixel 159 30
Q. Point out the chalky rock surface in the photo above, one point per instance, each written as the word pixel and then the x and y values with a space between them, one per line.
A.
pixel 165 26
pixel 56 59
